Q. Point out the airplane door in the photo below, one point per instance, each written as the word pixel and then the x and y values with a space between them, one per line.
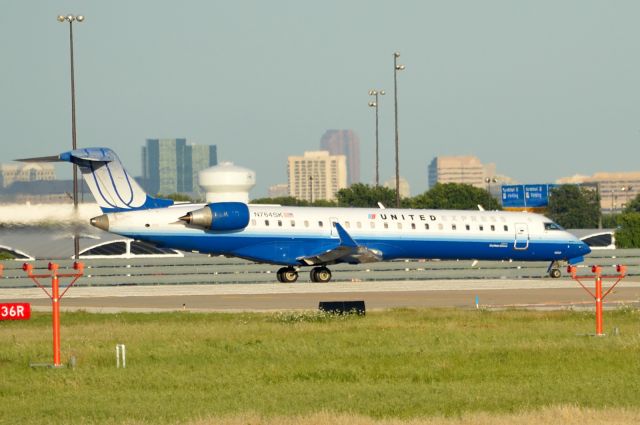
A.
pixel 333 221
pixel 522 236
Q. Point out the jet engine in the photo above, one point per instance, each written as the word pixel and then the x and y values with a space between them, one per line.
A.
pixel 219 216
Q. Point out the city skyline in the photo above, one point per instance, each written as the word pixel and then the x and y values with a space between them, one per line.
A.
pixel 544 90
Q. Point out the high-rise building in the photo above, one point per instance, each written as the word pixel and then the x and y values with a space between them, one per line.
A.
pixel 28 172
pixel 172 166
pixel 615 189
pixel 316 175
pixel 202 157
pixel 460 169
pixel 347 143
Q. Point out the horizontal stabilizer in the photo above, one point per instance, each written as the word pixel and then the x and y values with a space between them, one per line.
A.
pixel 54 158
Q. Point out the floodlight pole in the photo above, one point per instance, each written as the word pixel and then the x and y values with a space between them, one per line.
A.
pixel 71 19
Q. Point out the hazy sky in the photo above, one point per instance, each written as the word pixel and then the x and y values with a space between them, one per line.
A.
pixel 544 89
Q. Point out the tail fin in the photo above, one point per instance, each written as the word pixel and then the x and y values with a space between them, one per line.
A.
pixel 110 184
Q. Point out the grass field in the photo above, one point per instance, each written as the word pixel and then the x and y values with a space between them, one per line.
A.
pixel 400 366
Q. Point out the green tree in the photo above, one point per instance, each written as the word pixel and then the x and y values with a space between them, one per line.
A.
pixel 574 207
pixel 633 205
pixel 628 232
pixel 363 195
pixel 455 196
pixel 610 221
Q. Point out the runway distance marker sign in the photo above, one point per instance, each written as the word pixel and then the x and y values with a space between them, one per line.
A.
pixel 15 311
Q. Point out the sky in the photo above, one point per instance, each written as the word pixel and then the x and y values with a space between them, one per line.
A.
pixel 545 89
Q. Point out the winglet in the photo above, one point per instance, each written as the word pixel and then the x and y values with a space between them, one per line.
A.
pixel 345 238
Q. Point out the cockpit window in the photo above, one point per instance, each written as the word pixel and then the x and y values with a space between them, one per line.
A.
pixel 552 226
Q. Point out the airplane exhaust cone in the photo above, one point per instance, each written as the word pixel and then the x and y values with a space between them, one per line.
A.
pixel 101 222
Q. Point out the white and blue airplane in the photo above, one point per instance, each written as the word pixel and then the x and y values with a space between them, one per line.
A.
pixel 295 237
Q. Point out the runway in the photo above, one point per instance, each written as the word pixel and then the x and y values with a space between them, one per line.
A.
pixel 491 293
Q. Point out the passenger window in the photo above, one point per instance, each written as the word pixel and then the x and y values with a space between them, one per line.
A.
pixel 426 226
pixel 359 225
pixel 372 224
pixel 347 225
pixel 279 223
pixel 293 223
pixel 413 226
pixel 320 224
pixel 253 221
pixel 399 226
pixel 481 227
pixel 440 227
pixel 493 228
pixel 468 227
pixel 453 227
pixel 266 222
pixel 386 225
pixel 506 228
pixel 306 223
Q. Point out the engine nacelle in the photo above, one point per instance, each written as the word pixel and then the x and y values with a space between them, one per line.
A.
pixel 219 216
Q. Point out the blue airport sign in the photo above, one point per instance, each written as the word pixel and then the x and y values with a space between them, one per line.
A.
pixel 513 196
pixel 526 196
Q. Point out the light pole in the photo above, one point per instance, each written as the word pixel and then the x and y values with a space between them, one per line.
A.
pixel 71 19
pixel 625 190
pixel 396 68
pixel 374 104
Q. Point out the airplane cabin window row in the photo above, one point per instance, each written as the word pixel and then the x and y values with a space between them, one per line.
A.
pixel 385 225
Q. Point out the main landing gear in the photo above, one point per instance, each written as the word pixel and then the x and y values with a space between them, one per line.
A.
pixel 318 274
pixel 287 275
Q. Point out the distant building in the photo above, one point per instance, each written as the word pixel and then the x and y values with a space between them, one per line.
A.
pixel 405 190
pixel 316 175
pixel 172 166
pixel 460 169
pixel 26 172
pixel 347 143
pixel 616 189
pixel 278 190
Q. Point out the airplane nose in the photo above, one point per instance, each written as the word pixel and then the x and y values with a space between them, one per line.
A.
pixel 586 249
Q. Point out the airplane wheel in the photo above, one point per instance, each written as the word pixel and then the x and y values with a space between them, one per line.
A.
pixel 287 275
pixel 555 273
pixel 279 275
pixel 320 274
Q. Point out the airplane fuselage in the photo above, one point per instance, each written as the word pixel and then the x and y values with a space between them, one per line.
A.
pixel 288 235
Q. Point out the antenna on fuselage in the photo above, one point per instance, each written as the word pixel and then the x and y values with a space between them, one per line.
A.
pixel 380 205
pixel 480 207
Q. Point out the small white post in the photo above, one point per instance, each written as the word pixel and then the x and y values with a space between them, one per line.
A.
pixel 121 354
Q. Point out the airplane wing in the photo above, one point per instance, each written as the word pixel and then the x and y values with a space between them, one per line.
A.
pixel 348 251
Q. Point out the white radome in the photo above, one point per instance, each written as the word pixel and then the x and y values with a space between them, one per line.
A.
pixel 226 182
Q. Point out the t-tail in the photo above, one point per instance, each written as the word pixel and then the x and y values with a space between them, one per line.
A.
pixel 112 187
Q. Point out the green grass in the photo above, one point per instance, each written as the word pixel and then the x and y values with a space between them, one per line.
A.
pixel 399 364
